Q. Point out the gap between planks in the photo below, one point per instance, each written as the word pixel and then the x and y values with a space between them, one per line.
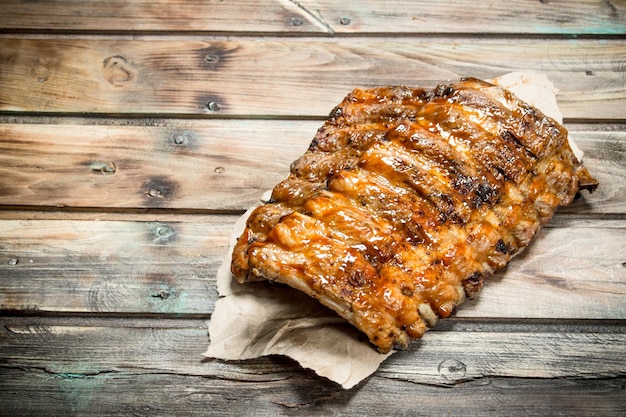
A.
pixel 100 214
pixel 17 320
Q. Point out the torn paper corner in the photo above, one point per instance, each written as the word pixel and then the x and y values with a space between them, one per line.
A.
pixel 533 88
pixel 259 319
pixel 262 318
pixel 537 90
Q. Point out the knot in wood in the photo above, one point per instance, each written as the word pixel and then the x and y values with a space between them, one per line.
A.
pixel 452 369
pixel 118 72
pixel 163 295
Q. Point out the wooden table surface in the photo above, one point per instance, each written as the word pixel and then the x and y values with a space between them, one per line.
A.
pixel 134 133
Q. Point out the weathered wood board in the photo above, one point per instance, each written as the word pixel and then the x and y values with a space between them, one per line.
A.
pixel 177 346
pixel 134 134
pixel 287 77
pixel 170 267
pixel 165 356
pixel 169 394
pixel 589 17
pixel 208 166
pixel 160 16
pixel 467 16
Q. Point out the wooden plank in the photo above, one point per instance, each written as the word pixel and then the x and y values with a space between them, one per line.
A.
pixel 571 272
pixel 93 266
pixel 481 349
pixel 174 395
pixel 137 267
pixel 88 369
pixel 207 165
pixel 221 165
pixel 242 16
pixel 287 77
pixel 588 17
pixel 560 17
pixel 605 157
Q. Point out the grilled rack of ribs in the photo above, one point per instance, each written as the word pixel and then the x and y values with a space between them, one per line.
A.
pixel 407 199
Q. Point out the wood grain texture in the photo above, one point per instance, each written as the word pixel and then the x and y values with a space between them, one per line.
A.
pixel 99 347
pixel 565 273
pixel 220 165
pixel 208 165
pixel 132 133
pixel 184 395
pixel 157 267
pixel 139 16
pixel 505 17
pixel 590 17
pixel 605 156
pixel 100 266
pixel 287 77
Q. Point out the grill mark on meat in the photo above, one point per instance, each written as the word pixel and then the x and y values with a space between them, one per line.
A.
pixel 331 137
pixel 467 177
pixel 407 200
pixel 392 201
pixel 510 137
pixel 494 154
pixel 394 161
pixel 455 185
pixel 539 134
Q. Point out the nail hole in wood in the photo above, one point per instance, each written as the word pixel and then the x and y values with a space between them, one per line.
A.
pixel 180 139
pixel 213 106
pixel 163 231
pixel 164 295
pixel 103 168
pixel 154 193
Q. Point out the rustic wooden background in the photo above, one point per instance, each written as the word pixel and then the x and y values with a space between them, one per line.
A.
pixel 134 133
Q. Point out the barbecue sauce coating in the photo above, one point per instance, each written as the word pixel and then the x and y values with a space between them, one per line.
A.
pixel 407 199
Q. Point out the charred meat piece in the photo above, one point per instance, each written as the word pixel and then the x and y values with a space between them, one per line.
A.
pixel 407 199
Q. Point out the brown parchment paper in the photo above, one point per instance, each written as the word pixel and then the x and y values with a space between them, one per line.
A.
pixel 259 319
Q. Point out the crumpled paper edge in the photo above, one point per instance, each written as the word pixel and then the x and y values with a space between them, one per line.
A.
pixel 532 87
pixel 301 327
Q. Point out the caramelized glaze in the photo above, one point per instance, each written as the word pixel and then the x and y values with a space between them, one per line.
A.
pixel 407 199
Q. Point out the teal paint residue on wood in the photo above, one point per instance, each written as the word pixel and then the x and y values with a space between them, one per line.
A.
pixel 599 27
pixel 68 375
pixel 79 389
pixel 78 382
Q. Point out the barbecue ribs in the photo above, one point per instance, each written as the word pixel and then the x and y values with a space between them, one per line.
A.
pixel 407 199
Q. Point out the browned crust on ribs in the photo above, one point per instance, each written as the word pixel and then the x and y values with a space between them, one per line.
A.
pixel 407 199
